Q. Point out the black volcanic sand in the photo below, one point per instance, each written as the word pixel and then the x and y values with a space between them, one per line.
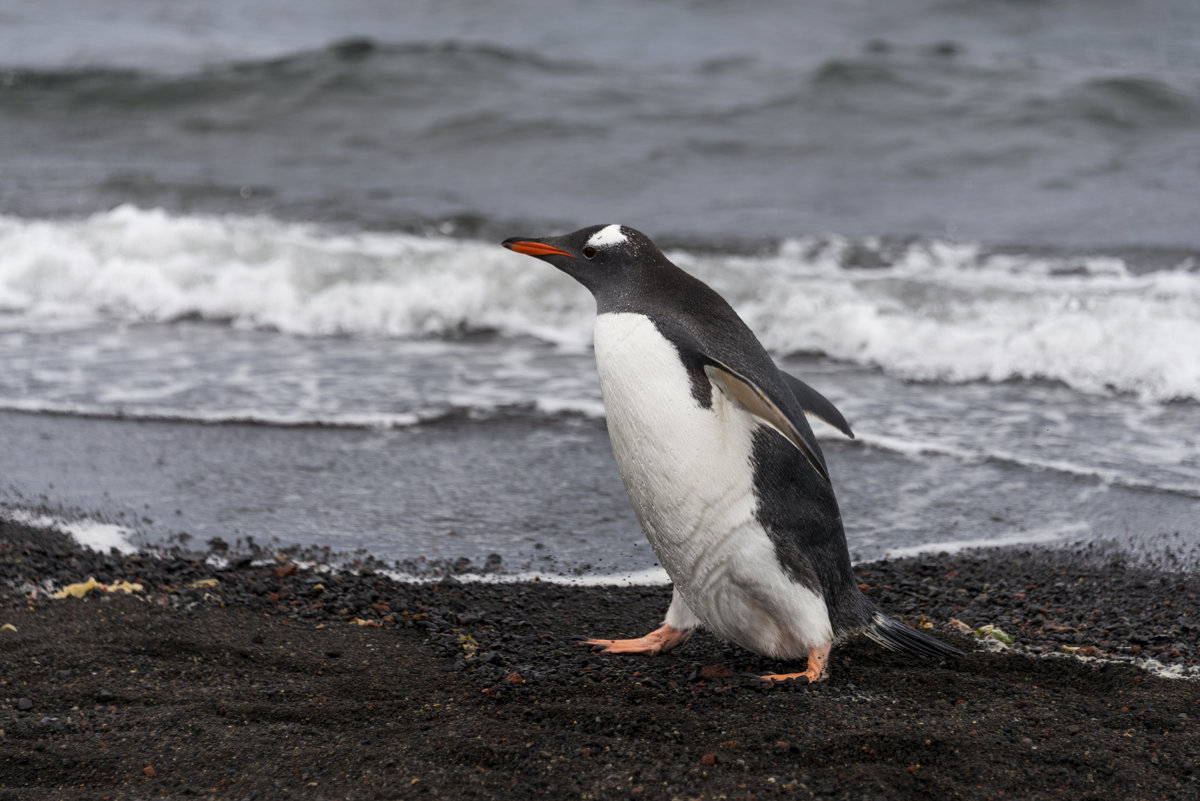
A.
pixel 268 685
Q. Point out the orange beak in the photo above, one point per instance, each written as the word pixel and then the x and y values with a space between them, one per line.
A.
pixel 533 248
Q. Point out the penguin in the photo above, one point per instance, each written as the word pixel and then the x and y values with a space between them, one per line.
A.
pixel 719 462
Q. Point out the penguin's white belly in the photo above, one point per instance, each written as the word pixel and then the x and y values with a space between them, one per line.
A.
pixel 689 474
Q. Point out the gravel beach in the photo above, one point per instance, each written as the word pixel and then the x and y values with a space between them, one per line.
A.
pixel 257 675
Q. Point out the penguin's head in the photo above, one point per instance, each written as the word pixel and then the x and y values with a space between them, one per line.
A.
pixel 599 256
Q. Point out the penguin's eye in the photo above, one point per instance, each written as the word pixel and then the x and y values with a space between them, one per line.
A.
pixel 589 252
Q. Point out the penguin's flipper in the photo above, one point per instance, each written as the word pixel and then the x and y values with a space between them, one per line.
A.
pixel 816 404
pixel 745 393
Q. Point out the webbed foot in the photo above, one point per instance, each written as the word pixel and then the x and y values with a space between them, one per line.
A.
pixel 659 641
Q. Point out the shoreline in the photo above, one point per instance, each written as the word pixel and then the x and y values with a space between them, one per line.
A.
pixel 262 677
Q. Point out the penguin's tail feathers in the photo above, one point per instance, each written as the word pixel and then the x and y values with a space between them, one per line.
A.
pixel 895 636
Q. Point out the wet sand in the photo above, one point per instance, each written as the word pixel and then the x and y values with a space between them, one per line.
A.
pixel 264 678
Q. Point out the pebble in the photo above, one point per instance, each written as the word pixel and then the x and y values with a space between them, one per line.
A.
pixel 963 587
pixel 711 672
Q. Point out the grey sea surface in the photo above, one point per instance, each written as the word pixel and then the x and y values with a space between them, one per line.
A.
pixel 1066 124
pixel 250 284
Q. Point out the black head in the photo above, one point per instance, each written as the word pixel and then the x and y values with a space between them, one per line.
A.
pixel 601 257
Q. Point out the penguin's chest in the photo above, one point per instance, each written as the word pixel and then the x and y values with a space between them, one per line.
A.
pixel 687 468
pixel 689 473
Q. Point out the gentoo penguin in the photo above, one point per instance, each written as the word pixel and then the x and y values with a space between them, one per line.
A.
pixel 723 471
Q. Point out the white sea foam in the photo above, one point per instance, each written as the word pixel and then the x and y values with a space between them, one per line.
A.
pixel 585 407
pixel 1149 665
pixel 946 312
pixel 99 536
pixel 251 416
pixel 1107 476
pixel 140 265
pixel 654 577
pixel 474 409
pixel 88 533
pixel 1033 537
pixel 936 312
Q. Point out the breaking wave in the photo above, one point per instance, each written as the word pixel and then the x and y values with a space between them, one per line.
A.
pixel 925 310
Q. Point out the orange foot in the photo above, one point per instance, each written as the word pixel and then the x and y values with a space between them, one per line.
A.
pixel 659 641
pixel 818 661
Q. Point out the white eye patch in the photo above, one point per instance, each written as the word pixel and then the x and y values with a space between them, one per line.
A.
pixel 608 235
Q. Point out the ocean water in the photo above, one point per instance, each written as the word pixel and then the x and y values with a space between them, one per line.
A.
pixel 250 283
